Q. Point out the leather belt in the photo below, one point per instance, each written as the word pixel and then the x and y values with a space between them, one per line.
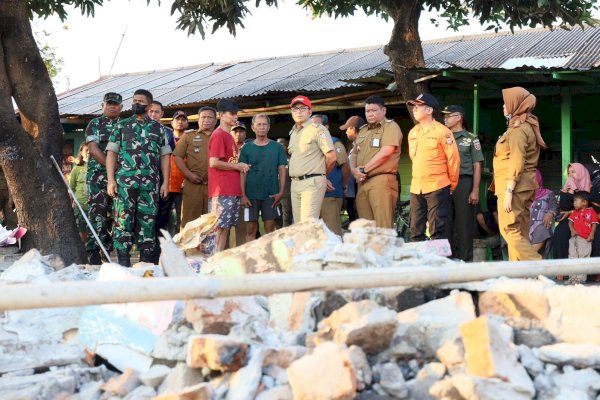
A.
pixel 303 177
pixel 383 173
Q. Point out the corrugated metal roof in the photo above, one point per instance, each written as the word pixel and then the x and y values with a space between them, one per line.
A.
pixel 578 49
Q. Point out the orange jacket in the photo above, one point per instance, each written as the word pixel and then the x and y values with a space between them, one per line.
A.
pixel 435 158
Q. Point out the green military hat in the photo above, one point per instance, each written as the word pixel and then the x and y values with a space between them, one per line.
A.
pixel 454 109
pixel 113 97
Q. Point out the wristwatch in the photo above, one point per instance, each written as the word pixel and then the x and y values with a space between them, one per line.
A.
pixel 509 190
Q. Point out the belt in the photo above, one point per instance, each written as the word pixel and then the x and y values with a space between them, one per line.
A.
pixel 383 173
pixel 303 177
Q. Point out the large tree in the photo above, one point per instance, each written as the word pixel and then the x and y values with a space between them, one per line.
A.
pixel 27 144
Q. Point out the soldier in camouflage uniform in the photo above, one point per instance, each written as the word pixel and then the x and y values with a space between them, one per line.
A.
pixel 133 152
pixel 99 202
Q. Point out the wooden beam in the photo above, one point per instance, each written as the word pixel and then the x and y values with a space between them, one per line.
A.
pixel 469 79
pixel 561 76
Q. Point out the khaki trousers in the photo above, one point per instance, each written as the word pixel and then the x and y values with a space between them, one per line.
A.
pixel 514 226
pixel 579 247
pixel 194 202
pixel 330 213
pixel 376 199
pixel 307 197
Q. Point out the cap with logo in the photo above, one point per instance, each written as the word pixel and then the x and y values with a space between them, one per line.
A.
pixel 353 122
pixel 226 105
pixel 426 99
pixel 454 109
pixel 239 125
pixel 301 99
pixel 113 97
pixel 180 113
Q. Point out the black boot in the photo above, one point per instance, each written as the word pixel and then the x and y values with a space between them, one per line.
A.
pixel 149 255
pixel 94 257
pixel 124 260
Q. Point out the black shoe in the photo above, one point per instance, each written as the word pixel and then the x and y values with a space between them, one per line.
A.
pixel 123 257
pixel 149 256
pixel 94 258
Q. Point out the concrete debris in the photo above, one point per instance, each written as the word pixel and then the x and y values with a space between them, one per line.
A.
pixel 490 353
pixel 364 324
pixel 521 339
pixel 327 373
pixel 217 352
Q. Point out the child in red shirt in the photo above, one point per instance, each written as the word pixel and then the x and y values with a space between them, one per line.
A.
pixel 583 223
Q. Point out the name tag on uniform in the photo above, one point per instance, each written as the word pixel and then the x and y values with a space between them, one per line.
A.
pixel 376 142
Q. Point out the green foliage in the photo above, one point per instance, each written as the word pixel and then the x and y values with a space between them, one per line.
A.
pixel 51 58
pixel 197 15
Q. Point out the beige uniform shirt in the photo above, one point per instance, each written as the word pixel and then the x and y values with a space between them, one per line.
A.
pixel 308 146
pixel 515 158
pixel 371 138
pixel 193 147
pixel 340 153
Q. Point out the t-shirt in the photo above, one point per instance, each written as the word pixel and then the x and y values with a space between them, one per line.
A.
pixel 583 221
pixel 78 183
pixel 220 182
pixel 263 178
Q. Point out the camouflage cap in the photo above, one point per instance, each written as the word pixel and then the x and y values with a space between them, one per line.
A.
pixel 113 98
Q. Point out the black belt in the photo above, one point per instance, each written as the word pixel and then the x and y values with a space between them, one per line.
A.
pixel 383 173
pixel 303 177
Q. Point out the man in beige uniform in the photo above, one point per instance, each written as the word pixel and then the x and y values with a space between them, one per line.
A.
pixel 191 157
pixel 374 164
pixel 312 157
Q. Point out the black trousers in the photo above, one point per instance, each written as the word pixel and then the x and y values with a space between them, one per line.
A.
pixel 462 214
pixel 434 208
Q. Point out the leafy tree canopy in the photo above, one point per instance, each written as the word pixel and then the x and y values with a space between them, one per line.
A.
pixel 195 15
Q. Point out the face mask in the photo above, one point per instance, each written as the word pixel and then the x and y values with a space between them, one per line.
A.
pixel 138 109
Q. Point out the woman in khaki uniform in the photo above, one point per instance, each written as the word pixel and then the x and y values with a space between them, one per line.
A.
pixel 515 160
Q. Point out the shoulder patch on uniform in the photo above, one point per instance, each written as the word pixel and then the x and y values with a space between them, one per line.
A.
pixel 338 149
pixel 322 134
pixel 476 144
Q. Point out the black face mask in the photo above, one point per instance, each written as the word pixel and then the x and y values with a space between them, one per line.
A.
pixel 138 109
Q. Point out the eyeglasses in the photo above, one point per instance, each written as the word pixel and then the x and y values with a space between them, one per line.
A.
pixel 299 109
pixel 446 116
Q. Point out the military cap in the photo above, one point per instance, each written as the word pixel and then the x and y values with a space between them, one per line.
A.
pixel 113 98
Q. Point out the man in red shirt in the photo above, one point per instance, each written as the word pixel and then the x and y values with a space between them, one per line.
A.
pixel 224 189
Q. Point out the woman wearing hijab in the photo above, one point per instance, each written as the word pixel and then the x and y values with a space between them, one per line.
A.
pixel 578 180
pixel 515 160
pixel 543 210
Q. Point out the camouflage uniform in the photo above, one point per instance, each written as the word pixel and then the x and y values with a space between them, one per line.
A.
pixel 139 146
pixel 99 202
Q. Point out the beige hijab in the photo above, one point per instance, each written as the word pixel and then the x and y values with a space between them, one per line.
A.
pixel 519 105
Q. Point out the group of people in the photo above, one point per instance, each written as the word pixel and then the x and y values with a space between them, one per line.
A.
pixel 138 170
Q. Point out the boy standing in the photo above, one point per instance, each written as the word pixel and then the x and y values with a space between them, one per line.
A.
pixel 583 223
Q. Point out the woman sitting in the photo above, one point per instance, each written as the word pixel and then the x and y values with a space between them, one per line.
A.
pixel 543 211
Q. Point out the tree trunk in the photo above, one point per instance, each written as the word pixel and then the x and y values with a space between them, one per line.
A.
pixel 404 49
pixel 42 201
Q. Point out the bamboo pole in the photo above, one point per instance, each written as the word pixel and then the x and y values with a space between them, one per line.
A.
pixel 83 293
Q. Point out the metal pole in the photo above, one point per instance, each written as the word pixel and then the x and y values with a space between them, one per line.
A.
pixel 565 131
pixel 84 293
pixel 476 108
pixel 87 221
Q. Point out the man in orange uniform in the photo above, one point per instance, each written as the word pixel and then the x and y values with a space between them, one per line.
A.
pixel 435 171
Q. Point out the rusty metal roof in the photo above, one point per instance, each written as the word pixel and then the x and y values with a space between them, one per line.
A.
pixel 576 49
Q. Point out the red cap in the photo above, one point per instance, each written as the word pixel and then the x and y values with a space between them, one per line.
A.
pixel 301 99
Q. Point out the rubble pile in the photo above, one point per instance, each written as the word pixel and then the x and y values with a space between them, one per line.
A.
pixel 497 339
